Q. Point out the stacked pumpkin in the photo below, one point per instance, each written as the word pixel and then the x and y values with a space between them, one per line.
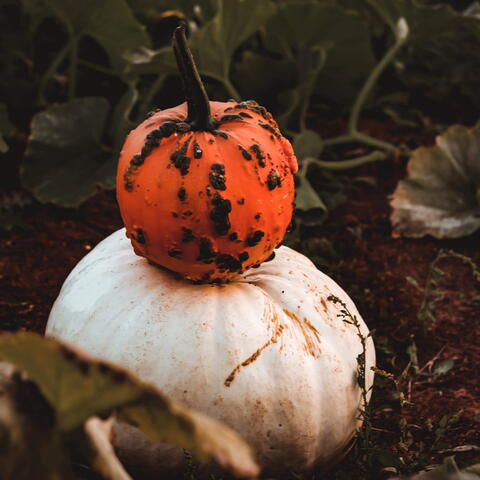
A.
pixel 207 306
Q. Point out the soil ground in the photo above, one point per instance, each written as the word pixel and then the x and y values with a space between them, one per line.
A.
pixel 368 261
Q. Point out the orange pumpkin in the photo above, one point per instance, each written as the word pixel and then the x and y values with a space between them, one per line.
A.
pixel 206 188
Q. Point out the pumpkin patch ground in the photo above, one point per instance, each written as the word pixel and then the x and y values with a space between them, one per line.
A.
pixel 442 409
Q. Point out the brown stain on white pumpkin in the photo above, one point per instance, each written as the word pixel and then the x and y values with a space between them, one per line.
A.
pixel 277 331
pixel 310 334
pixel 311 340
pixel 324 305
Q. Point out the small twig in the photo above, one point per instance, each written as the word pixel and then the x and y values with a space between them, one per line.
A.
pixel 382 430
pixel 432 361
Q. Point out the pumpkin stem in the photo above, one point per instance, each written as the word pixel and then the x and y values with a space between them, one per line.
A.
pixel 198 116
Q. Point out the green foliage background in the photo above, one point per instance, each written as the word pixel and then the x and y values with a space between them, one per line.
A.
pixel 77 76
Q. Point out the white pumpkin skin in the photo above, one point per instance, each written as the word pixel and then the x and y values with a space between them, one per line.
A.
pixel 266 354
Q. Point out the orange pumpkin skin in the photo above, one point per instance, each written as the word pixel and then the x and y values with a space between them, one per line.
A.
pixel 207 204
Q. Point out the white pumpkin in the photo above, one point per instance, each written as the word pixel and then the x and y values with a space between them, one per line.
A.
pixel 266 354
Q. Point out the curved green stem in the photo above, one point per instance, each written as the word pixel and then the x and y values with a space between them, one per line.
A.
pixel 341 139
pixel 347 164
pixel 361 138
pixel 370 83
pixel 353 135
pixel 374 142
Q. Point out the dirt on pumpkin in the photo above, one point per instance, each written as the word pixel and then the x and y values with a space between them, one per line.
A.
pixel 372 265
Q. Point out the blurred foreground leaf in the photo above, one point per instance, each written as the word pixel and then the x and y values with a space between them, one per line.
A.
pixel 441 194
pixel 29 446
pixel 77 387
pixel 64 160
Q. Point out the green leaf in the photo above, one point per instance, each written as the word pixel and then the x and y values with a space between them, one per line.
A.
pixel 432 60
pixel 6 127
pixel 310 207
pixel 308 66
pixel 144 60
pixel 301 26
pixel 307 144
pixel 109 22
pixel 214 44
pixel 441 194
pixel 255 74
pixel 38 11
pixel 308 200
pixel 426 23
pixel 120 123
pixel 64 161
pixel 443 367
pixel 78 386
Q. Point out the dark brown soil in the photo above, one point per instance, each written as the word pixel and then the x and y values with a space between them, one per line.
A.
pixel 372 266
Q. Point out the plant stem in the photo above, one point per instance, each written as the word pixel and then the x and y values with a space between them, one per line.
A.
pixel 330 142
pixel 72 69
pixel 353 135
pixel 52 69
pixel 374 142
pixel 197 98
pixel 347 164
pixel 370 83
pixel 358 137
